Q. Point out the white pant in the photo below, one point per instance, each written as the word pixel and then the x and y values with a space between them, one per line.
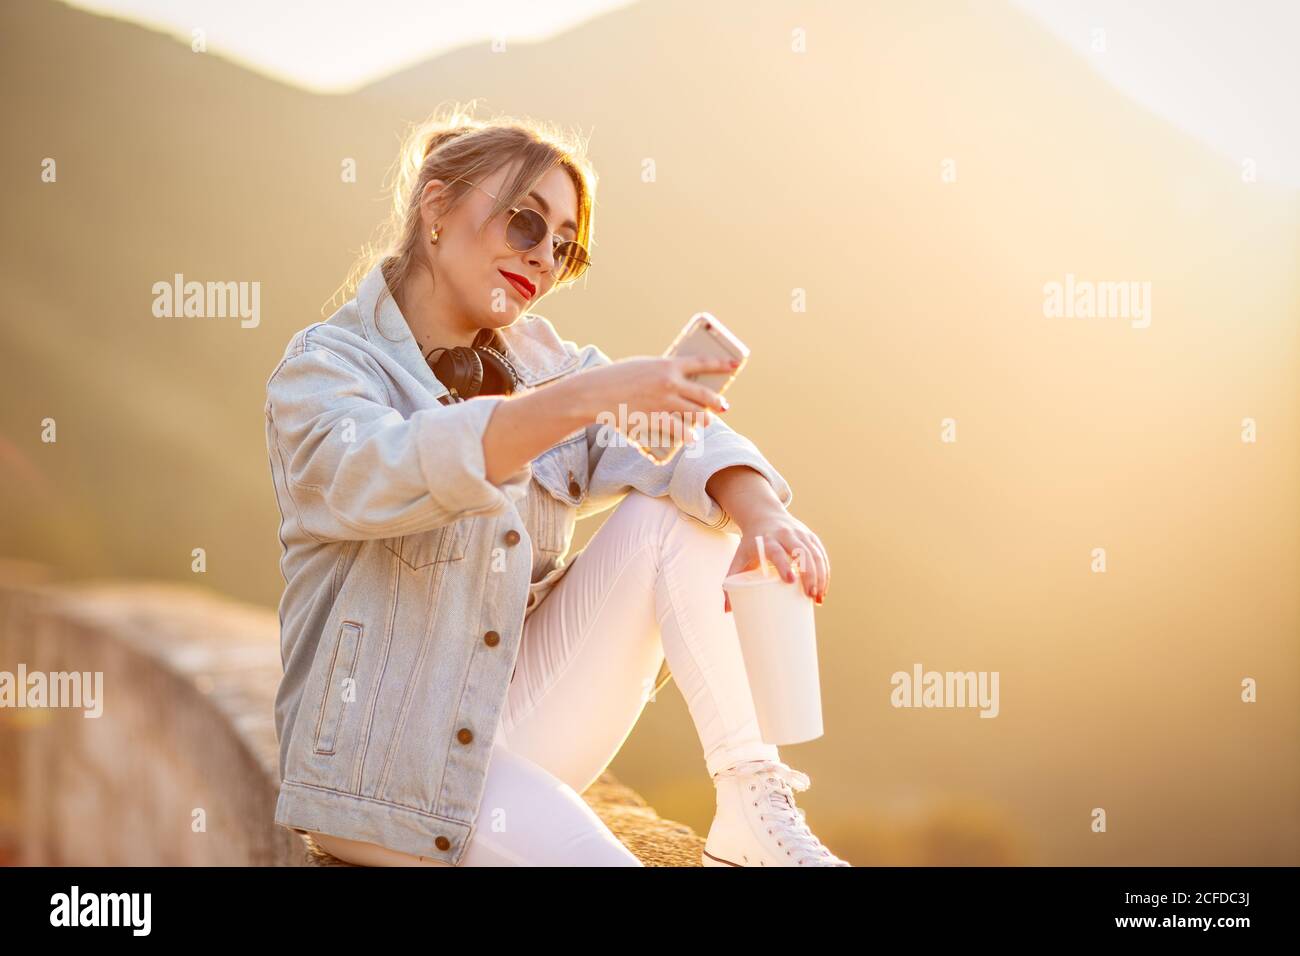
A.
pixel 648 585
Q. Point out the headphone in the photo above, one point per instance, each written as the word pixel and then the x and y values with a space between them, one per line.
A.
pixel 477 369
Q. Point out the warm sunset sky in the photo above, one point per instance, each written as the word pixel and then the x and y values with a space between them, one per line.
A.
pixel 1224 72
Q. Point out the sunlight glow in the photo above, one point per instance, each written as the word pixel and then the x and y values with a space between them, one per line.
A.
pixel 332 46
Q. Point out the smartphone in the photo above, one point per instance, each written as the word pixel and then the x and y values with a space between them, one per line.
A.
pixel 703 335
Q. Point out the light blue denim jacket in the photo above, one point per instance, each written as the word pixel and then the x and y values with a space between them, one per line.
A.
pixel 408 575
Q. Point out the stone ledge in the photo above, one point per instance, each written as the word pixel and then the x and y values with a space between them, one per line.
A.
pixel 194 677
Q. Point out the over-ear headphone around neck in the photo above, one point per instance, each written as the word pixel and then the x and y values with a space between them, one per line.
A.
pixel 477 369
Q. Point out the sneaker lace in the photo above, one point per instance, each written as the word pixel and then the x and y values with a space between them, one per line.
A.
pixel 779 782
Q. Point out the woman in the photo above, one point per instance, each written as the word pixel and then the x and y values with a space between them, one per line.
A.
pixel 451 682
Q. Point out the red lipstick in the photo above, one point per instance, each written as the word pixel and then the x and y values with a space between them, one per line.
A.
pixel 526 288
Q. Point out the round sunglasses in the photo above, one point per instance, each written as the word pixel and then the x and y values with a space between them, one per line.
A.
pixel 526 229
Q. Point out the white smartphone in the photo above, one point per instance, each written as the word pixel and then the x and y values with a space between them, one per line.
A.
pixel 703 335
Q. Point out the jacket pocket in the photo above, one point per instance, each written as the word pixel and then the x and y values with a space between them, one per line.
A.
pixel 423 548
pixel 340 685
pixel 562 468
pixel 560 486
pixel 547 521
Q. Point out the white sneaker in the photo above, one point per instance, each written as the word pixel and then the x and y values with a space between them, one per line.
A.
pixel 757 823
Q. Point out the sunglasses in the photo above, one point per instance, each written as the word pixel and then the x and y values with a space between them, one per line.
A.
pixel 526 229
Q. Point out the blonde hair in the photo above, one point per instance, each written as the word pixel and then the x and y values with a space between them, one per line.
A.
pixel 452 143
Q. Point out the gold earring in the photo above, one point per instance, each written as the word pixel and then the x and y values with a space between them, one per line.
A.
pixel 433 235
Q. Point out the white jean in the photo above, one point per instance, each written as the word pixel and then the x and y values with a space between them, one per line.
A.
pixel 646 587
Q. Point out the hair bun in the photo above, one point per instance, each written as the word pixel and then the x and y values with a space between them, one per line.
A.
pixel 443 135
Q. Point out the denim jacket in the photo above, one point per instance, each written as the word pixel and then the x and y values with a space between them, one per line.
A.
pixel 408 575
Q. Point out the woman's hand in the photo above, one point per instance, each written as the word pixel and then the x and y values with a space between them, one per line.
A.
pixel 785 540
pixel 654 387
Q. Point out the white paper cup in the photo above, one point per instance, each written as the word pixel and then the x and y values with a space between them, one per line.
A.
pixel 778 640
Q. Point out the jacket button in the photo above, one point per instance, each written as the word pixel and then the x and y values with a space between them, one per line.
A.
pixel 464 735
pixel 442 843
pixel 574 488
pixel 491 638
pixel 512 537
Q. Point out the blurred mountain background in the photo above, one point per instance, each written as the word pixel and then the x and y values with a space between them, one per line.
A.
pixel 775 172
